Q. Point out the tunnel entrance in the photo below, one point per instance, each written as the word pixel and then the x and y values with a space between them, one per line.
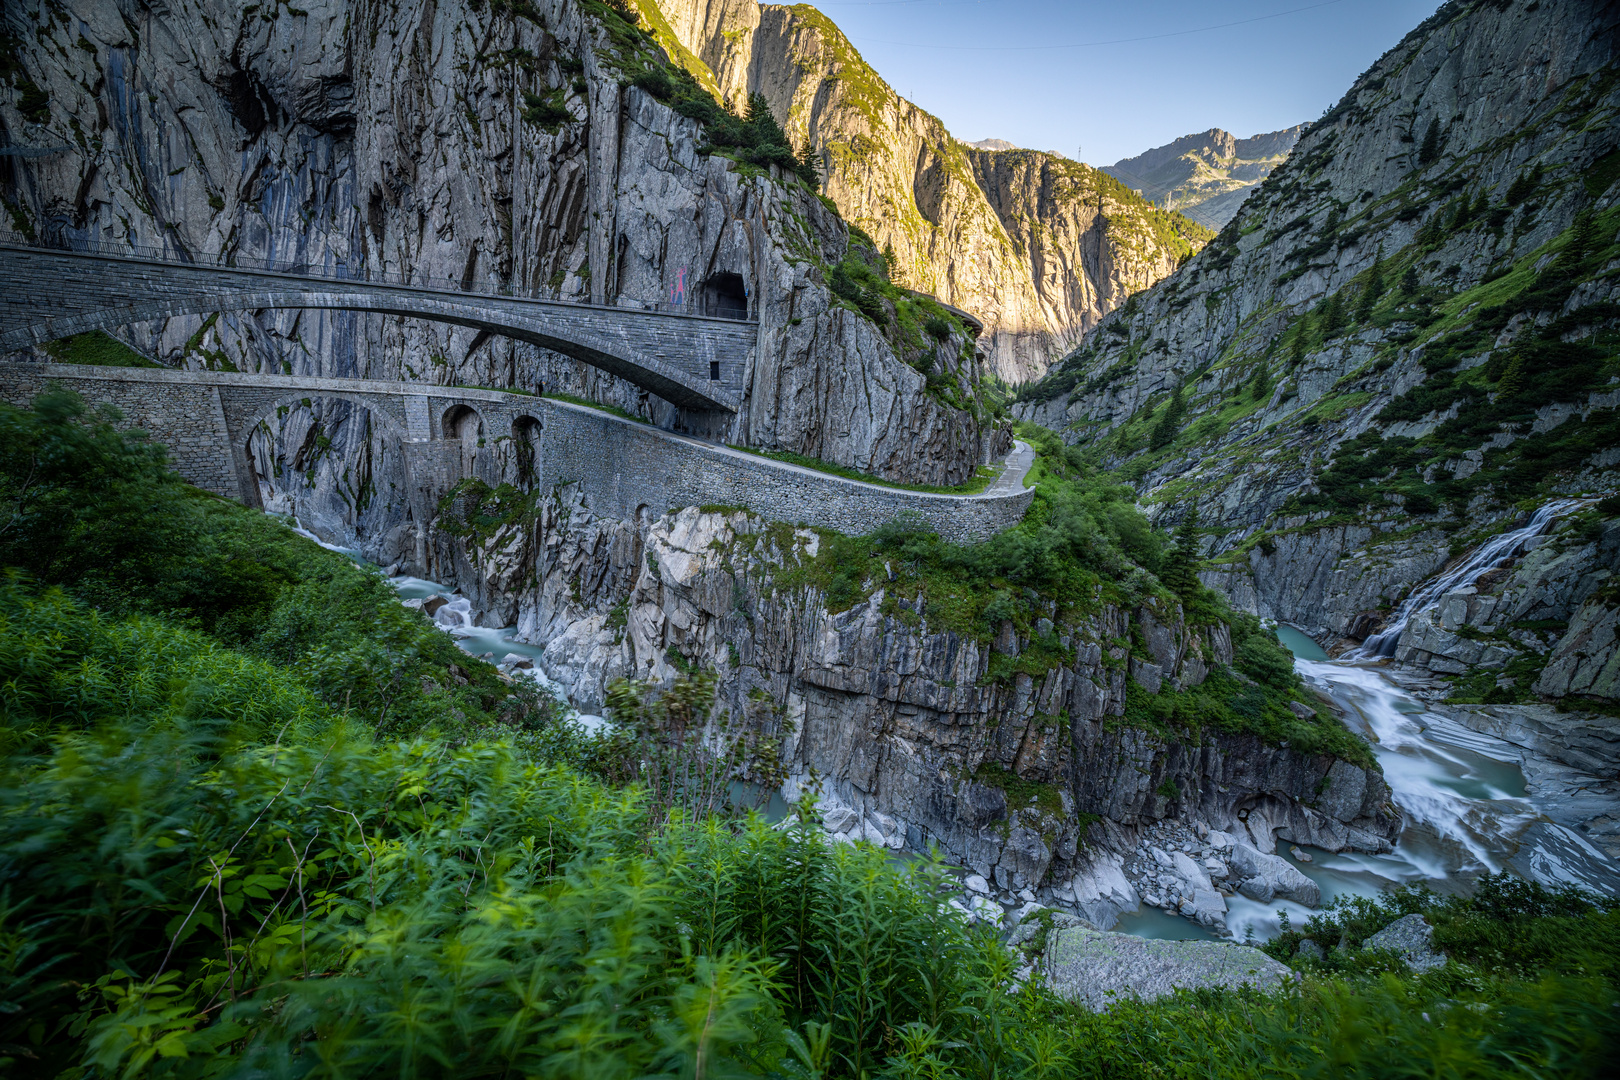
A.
pixel 725 296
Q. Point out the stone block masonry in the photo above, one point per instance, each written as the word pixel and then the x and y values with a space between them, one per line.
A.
pixel 695 362
pixel 624 468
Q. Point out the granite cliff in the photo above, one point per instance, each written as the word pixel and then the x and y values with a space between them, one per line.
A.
pixel 1021 754
pixel 1404 343
pixel 1207 176
pixel 1038 247
pixel 450 143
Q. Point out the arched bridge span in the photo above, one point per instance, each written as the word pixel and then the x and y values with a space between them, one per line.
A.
pixel 693 362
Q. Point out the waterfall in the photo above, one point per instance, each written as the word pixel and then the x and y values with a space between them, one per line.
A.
pixel 1483 558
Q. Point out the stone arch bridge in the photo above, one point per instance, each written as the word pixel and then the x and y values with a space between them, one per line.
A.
pixel 206 418
pixel 625 467
pixel 694 362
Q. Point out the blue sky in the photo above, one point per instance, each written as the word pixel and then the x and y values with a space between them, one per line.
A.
pixel 989 68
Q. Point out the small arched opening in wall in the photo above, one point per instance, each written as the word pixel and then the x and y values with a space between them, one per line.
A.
pixel 461 424
pixel 725 296
pixel 526 450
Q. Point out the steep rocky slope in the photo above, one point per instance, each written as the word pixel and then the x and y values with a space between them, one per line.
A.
pixel 1405 342
pixel 1207 176
pixel 443 143
pixel 1037 247
pixel 1032 770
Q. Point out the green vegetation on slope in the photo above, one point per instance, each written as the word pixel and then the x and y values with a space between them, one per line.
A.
pixel 97 348
pixel 1083 544
pixel 97 512
pixel 755 139
pixel 211 866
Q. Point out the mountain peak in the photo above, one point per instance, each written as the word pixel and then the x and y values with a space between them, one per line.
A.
pixel 1206 176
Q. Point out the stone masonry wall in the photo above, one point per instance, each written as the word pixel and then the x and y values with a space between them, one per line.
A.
pixel 624 466
pixel 621 465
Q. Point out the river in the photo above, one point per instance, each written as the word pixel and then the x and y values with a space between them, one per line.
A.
pixel 1462 794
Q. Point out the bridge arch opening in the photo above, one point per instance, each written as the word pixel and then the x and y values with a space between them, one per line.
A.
pixel 725 296
pixel 526 450
pixel 462 422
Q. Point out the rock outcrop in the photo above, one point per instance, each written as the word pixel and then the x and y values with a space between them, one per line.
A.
pixel 1032 782
pixel 1100 969
pixel 1207 176
pixel 1405 335
pixel 1038 247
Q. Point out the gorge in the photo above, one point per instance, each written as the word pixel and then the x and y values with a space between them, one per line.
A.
pixel 756 440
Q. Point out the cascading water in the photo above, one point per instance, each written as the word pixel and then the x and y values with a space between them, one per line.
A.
pixel 1462 794
pixel 1488 555
pixel 455 617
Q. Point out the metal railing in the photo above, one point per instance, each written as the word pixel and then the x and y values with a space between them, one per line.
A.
pixel 339 270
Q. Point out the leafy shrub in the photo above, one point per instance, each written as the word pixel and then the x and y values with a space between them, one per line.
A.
pixel 97 511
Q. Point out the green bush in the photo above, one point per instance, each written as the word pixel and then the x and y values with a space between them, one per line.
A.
pixel 97 512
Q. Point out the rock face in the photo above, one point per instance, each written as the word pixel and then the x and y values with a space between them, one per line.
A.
pixel 1029 782
pixel 1413 938
pixel 1038 247
pixel 1342 352
pixel 398 140
pixel 1207 176
pixel 1101 968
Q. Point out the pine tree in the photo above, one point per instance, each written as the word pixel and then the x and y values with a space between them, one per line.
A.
pixel 763 130
pixel 1522 188
pixel 1296 349
pixel 1409 282
pixel 1260 383
pixel 1371 291
pixel 1431 144
pixel 1512 380
pixel 1180 573
pixel 1169 422
pixel 809 168
pixel 1332 316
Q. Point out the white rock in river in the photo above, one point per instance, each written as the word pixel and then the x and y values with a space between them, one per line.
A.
pixel 1269 877
pixel 1096 968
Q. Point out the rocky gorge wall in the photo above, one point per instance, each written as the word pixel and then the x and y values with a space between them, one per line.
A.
pixel 1349 295
pixel 1038 247
pixel 1031 782
pixel 437 141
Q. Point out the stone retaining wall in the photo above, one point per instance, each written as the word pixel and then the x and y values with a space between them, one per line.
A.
pixel 624 467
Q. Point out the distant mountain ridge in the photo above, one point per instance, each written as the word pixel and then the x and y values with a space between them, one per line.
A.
pixel 992 144
pixel 1039 247
pixel 1208 175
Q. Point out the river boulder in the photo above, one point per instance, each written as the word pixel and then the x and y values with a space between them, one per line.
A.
pixel 1265 877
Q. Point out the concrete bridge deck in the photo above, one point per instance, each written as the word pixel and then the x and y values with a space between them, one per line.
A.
pixel 694 362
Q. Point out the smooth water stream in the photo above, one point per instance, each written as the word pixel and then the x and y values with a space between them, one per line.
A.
pixel 1461 794
pixel 455 617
